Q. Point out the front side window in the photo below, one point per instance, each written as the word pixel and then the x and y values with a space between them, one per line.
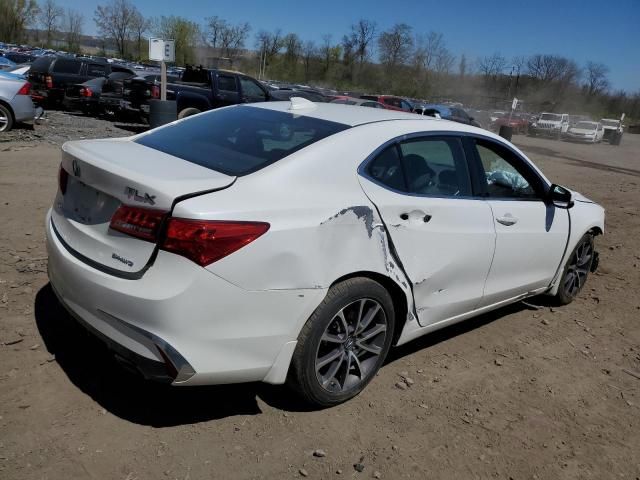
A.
pixel 435 166
pixel 251 89
pixel 505 175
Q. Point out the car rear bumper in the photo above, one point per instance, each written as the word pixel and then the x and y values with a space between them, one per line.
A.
pixel 182 323
pixel 23 108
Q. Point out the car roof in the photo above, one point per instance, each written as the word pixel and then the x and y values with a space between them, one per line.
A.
pixel 354 115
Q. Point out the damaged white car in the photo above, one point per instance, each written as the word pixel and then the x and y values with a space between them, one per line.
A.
pixel 298 242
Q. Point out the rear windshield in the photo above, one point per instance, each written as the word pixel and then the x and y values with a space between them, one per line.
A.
pixel 42 64
pixel 239 140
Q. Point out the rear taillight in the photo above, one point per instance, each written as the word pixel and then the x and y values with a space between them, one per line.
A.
pixel 86 92
pixel 63 178
pixel 143 223
pixel 155 91
pixel 48 81
pixel 25 89
pixel 206 241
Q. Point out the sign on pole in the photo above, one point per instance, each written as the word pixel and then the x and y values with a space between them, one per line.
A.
pixel 514 104
pixel 162 51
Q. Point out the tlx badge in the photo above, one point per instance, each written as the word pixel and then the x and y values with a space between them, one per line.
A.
pixel 145 198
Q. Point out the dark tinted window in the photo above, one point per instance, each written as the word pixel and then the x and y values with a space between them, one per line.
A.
pixel 386 168
pixel 239 140
pixel 94 70
pixel 63 65
pixel 42 64
pixel 252 90
pixel 227 83
pixel 436 166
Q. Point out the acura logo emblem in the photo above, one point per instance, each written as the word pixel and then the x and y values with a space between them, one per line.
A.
pixel 76 168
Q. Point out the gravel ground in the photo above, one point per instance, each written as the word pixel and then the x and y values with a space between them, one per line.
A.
pixel 527 392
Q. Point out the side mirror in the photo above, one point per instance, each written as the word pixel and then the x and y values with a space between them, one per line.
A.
pixel 560 196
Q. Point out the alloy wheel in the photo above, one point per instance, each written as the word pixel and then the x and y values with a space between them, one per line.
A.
pixel 578 269
pixel 351 345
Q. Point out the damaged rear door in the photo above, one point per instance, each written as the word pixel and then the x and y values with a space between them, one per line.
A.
pixel 443 236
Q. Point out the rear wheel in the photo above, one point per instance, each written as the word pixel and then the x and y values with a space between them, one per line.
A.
pixel 6 119
pixel 344 343
pixel 187 112
pixel 576 270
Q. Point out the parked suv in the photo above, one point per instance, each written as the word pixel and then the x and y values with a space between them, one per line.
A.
pixel 390 102
pixel 551 125
pixel 612 130
pixel 50 76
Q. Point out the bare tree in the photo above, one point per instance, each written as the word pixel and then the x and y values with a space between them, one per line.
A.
pixel 552 68
pixel 215 26
pixel 309 51
pixel 462 66
pixel 114 20
pixel 326 49
pixel 73 23
pixel 596 80
pixel 395 45
pixel 139 26
pixel 49 19
pixel 491 65
pixel 233 38
pixel 362 34
pixel 15 17
pixel 292 48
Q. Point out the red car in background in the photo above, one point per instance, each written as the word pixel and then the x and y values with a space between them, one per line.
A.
pixel 518 122
pixel 390 102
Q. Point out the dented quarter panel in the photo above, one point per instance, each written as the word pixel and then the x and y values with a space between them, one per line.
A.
pixel 317 234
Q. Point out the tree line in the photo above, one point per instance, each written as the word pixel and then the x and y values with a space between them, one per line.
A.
pixel 396 60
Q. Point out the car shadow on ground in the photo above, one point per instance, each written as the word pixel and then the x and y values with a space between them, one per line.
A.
pixel 92 368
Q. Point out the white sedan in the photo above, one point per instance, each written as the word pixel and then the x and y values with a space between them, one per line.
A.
pixel 298 242
pixel 585 131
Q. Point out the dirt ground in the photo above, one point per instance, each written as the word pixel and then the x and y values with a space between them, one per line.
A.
pixel 527 392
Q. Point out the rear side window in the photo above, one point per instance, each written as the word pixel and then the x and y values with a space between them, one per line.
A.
pixel 386 168
pixel 239 140
pixel 94 70
pixel 41 64
pixel 227 83
pixel 63 65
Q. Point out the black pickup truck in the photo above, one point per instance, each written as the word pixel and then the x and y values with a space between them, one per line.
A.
pixel 197 90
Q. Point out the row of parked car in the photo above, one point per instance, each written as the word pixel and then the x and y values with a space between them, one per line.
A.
pixel 100 87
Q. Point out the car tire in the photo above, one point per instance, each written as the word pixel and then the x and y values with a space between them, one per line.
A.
pixel 576 271
pixel 6 118
pixel 187 112
pixel 336 357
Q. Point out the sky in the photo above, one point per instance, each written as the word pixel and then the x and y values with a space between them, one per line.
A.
pixel 606 31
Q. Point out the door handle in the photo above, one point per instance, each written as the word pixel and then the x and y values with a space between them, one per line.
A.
pixel 507 220
pixel 425 216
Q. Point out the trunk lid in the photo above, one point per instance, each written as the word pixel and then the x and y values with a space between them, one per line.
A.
pixel 104 174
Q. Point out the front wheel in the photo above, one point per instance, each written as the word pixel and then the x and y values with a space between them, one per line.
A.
pixel 344 343
pixel 576 270
pixel 187 112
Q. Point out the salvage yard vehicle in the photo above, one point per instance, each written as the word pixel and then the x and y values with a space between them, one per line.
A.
pixel 613 130
pixel 298 242
pixel 591 132
pixel 51 75
pixel 456 114
pixel 201 89
pixel 15 101
pixel 86 96
pixel 390 102
pixel 518 122
pixel 553 125
pixel 359 102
